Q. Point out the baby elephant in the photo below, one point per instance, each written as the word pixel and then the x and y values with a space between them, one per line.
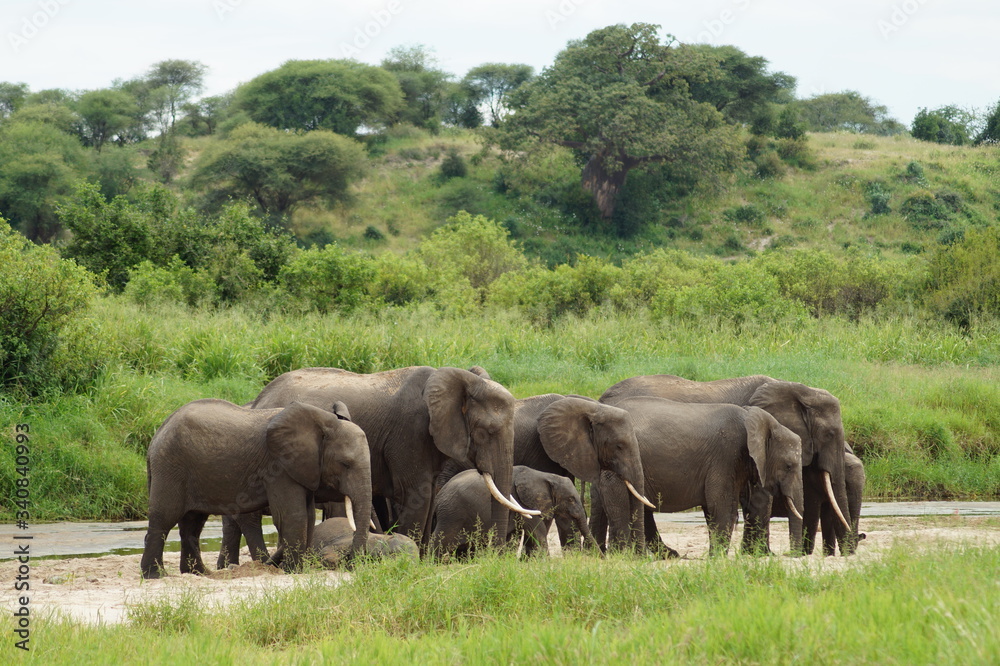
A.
pixel 332 540
pixel 463 506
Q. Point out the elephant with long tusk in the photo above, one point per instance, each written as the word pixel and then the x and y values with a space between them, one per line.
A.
pixel 811 413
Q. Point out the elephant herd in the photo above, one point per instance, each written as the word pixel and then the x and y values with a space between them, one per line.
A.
pixel 449 458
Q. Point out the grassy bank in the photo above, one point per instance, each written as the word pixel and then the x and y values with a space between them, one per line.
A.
pixel 919 399
pixel 911 608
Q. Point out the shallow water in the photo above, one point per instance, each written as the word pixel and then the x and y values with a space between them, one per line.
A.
pixel 68 539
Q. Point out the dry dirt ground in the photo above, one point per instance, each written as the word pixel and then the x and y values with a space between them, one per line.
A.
pixel 101 589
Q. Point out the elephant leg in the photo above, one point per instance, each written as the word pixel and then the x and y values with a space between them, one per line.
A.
pixel 251 526
pixel 720 516
pixel 624 512
pixel 828 520
pixel 757 521
pixel 653 539
pixel 190 527
pixel 415 502
pixel 229 551
pixel 598 518
pixel 294 512
pixel 536 536
pixel 813 499
pixel 152 552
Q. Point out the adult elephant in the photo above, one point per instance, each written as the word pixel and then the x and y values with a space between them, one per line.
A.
pixel 705 455
pixel 811 413
pixel 578 437
pixel 214 457
pixel 415 419
pixel 462 507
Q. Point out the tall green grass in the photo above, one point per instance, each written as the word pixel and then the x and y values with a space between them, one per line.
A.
pixel 915 607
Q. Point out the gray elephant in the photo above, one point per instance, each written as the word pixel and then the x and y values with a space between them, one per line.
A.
pixel 332 542
pixel 214 457
pixel 415 419
pixel 579 437
pixel 705 455
pixel 811 413
pixel 462 509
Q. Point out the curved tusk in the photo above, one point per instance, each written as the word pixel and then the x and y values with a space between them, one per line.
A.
pixel 639 497
pixel 791 507
pixel 371 524
pixel 833 500
pixel 349 510
pixel 510 504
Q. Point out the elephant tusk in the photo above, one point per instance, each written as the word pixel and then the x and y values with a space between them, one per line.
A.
pixel 639 497
pixel 833 500
pixel 791 507
pixel 371 524
pixel 349 510
pixel 509 503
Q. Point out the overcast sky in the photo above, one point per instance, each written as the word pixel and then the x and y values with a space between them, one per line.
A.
pixel 905 54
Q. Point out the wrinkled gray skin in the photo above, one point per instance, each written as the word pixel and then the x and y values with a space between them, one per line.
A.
pixel 332 541
pixel 580 438
pixel 214 457
pixel 249 525
pixel 811 413
pixel 854 474
pixel 415 419
pixel 462 508
pixel 706 455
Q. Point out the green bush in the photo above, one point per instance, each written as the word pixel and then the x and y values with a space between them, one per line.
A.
pixel 41 295
pixel 924 210
pixel 878 198
pixel 177 282
pixel 328 278
pixel 453 166
pixel 964 277
pixel 749 215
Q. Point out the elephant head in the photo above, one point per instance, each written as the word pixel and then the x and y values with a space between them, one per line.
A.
pixel 472 421
pixel 596 443
pixel 814 415
pixel 777 453
pixel 559 498
pixel 325 451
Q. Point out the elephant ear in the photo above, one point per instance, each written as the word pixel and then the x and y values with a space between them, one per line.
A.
pixel 758 426
pixel 788 403
pixel 566 432
pixel 340 409
pixel 446 394
pixel 294 437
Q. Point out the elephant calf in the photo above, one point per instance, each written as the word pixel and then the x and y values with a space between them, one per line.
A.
pixel 332 538
pixel 462 508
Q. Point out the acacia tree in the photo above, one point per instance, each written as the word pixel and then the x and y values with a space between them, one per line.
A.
pixel 279 170
pixel 337 95
pixel 492 84
pixel 620 99
pixel 103 115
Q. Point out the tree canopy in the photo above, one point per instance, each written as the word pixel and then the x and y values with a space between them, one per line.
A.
pixel 620 99
pixel 335 95
pixel 744 89
pixel 848 110
pixel 492 84
pixel 948 124
pixel 279 170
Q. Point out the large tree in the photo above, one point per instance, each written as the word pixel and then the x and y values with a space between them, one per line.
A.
pixel 948 124
pixel 336 95
pixel 175 82
pixel 279 170
pixel 620 99
pixel 424 86
pixel 103 115
pixel 492 84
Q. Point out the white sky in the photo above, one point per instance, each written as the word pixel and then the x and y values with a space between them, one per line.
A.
pixel 905 54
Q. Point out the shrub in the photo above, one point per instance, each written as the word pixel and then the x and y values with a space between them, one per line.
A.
pixel 748 214
pixel 373 234
pixel 40 295
pixel 924 211
pixel 328 278
pixel 453 166
pixel 878 198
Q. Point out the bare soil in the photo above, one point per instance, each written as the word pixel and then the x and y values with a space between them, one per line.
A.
pixel 102 589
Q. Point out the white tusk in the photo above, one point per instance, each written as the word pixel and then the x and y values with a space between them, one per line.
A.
pixel 371 523
pixel 791 507
pixel 833 500
pixel 639 497
pixel 498 496
pixel 349 510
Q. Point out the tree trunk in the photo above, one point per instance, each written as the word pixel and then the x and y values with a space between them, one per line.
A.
pixel 602 185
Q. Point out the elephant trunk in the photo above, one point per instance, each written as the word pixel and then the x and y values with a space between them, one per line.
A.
pixel 358 509
pixel 624 512
pixel 500 482
pixel 795 522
